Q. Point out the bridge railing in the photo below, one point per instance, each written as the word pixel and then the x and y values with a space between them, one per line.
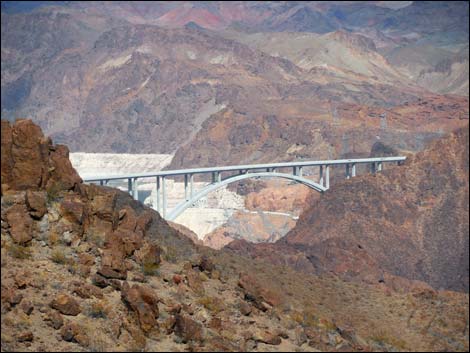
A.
pixel 160 204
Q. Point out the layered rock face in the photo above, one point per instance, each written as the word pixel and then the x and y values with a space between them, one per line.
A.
pixel 408 222
pixel 85 267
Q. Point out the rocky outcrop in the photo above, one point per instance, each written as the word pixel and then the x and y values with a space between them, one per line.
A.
pixel 31 162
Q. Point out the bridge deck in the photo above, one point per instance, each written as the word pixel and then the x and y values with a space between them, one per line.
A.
pixel 247 167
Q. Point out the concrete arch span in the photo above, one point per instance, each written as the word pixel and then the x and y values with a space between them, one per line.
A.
pixel 180 208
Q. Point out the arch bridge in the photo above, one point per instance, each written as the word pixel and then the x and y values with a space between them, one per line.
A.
pixel 222 176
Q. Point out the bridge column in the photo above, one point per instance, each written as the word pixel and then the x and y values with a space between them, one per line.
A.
pixel 327 177
pixel 186 187
pixel 101 182
pixel 191 187
pixel 156 204
pixel 379 166
pixel 353 169
pixel 321 176
pixel 163 213
pixel 295 171
pixel 135 192
pixel 129 186
pixel 300 171
pixel 373 167
pixel 213 177
pixel 348 173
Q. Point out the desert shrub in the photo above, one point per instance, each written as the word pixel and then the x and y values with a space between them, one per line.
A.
pixel 19 251
pixel 54 192
pixel 170 254
pixel 59 257
pixel 97 310
pixel 213 305
pixel 150 268
pixel 384 339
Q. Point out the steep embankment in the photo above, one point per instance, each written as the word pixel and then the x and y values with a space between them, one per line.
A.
pixel 85 268
pixel 409 221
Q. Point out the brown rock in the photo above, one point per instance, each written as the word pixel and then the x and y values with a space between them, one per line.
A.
pixel 245 308
pixel 20 224
pixel 206 264
pixel 195 282
pixel 36 202
pixel 256 293
pixel 73 209
pixel 149 254
pixel 188 329
pixel 99 281
pixel 26 336
pixel 72 332
pixel 54 319
pixel 66 305
pixel 86 259
pixel 177 279
pixel 144 302
pixel 266 337
pixel 107 272
pixel 299 336
pixel 27 307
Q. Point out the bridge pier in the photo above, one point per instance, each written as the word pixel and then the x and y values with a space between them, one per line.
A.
pixel 320 181
pixel 327 177
pixel 348 172
pixel 379 166
pixel 186 187
pixel 135 191
pixel 156 205
pixel 353 169
pixel 191 188
pixel 163 213
pixel 129 186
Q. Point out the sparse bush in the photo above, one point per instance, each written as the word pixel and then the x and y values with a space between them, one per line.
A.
pixel 19 251
pixel 150 268
pixel 58 256
pixel 214 305
pixel 97 310
pixel 384 339
pixel 96 239
pixel 170 255
pixel 54 192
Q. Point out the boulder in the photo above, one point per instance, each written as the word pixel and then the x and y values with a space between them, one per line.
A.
pixel 143 301
pixel 66 305
pixel 188 329
pixel 36 202
pixel 20 224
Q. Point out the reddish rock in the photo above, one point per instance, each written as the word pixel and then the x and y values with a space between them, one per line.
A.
pixel 245 308
pixel 99 281
pixel 148 254
pixel 206 264
pixel 26 336
pixel 144 302
pixel 66 305
pixel 36 202
pixel 31 162
pixel 195 282
pixel 20 224
pixel 188 329
pixel 177 279
pixel 27 307
pixel 54 319
pixel 72 332
pixel 266 337
pixel 108 272
pixel 256 293
pixel 86 259
pixel 73 209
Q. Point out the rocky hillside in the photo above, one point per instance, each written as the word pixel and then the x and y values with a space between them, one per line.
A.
pixel 406 223
pixel 86 268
